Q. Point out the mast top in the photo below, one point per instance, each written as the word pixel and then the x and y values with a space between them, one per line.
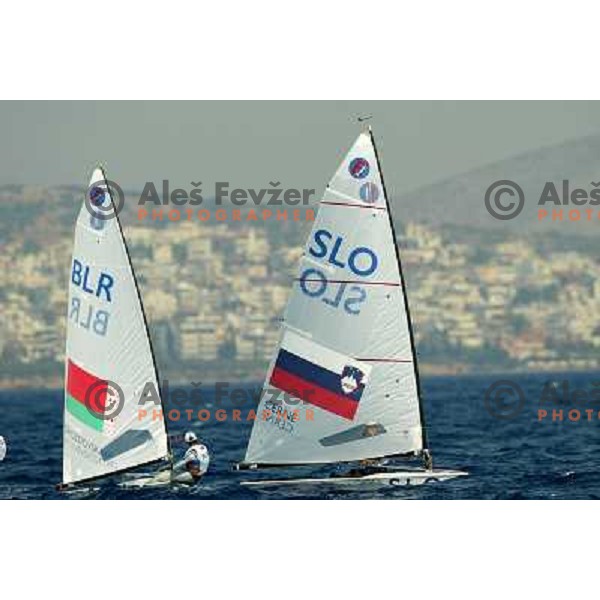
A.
pixel 362 119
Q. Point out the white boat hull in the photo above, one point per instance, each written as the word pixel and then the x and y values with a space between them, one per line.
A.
pixel 394 478
pixel 160 479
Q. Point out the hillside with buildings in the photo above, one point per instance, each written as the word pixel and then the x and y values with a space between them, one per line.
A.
pixel 215 292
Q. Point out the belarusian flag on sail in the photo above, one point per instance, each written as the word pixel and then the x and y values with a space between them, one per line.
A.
pixel 85 396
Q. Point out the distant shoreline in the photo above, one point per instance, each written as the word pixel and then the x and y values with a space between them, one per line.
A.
pixel 256 376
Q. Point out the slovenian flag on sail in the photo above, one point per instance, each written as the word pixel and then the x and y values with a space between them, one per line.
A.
pixel 85 396
pixel 319 376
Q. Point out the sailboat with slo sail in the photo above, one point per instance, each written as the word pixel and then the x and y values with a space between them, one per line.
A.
pixel 109 359
pixel 345 376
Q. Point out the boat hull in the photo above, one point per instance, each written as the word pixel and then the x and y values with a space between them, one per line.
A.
pixel 387 478
pixel 161 479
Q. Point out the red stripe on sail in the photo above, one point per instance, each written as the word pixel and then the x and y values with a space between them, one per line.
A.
pixel 317 280
pixel 313 394
pixel 86 388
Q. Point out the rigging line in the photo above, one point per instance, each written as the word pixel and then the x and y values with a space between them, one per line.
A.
pixel 340 195
pixel 385 360
pixel 351 205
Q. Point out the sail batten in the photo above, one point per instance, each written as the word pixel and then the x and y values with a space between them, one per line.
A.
pixel 109 359
pixel 345 364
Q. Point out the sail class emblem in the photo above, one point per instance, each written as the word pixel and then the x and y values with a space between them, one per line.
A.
pixel 369 192
pixel 359 168
pixel 351 379
pixel 97 197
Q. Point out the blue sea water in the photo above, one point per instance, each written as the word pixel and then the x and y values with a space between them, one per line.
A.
pixel 513 458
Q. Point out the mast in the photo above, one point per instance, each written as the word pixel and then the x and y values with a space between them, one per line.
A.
pixel 144 318
pixel 405 296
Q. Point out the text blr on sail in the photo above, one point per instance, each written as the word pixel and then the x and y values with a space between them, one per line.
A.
pixel 90 308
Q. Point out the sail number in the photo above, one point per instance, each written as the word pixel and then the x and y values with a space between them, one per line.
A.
pixel 361 261
pixel 85 313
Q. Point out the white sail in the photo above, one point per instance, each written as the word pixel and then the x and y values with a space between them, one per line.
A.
pixel 346 346
pixel 107 343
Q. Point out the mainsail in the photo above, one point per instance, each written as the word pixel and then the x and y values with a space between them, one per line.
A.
pixel 109 359
pixel 343 384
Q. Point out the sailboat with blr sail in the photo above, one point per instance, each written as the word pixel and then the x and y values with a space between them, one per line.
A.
pixel 109 359
pixel 343 386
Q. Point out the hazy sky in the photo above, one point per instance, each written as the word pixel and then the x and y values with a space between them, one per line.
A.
pixel 252 143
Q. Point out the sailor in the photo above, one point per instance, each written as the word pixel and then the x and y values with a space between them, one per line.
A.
pixel 427 460
pixel 367 466
pixel 195 461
